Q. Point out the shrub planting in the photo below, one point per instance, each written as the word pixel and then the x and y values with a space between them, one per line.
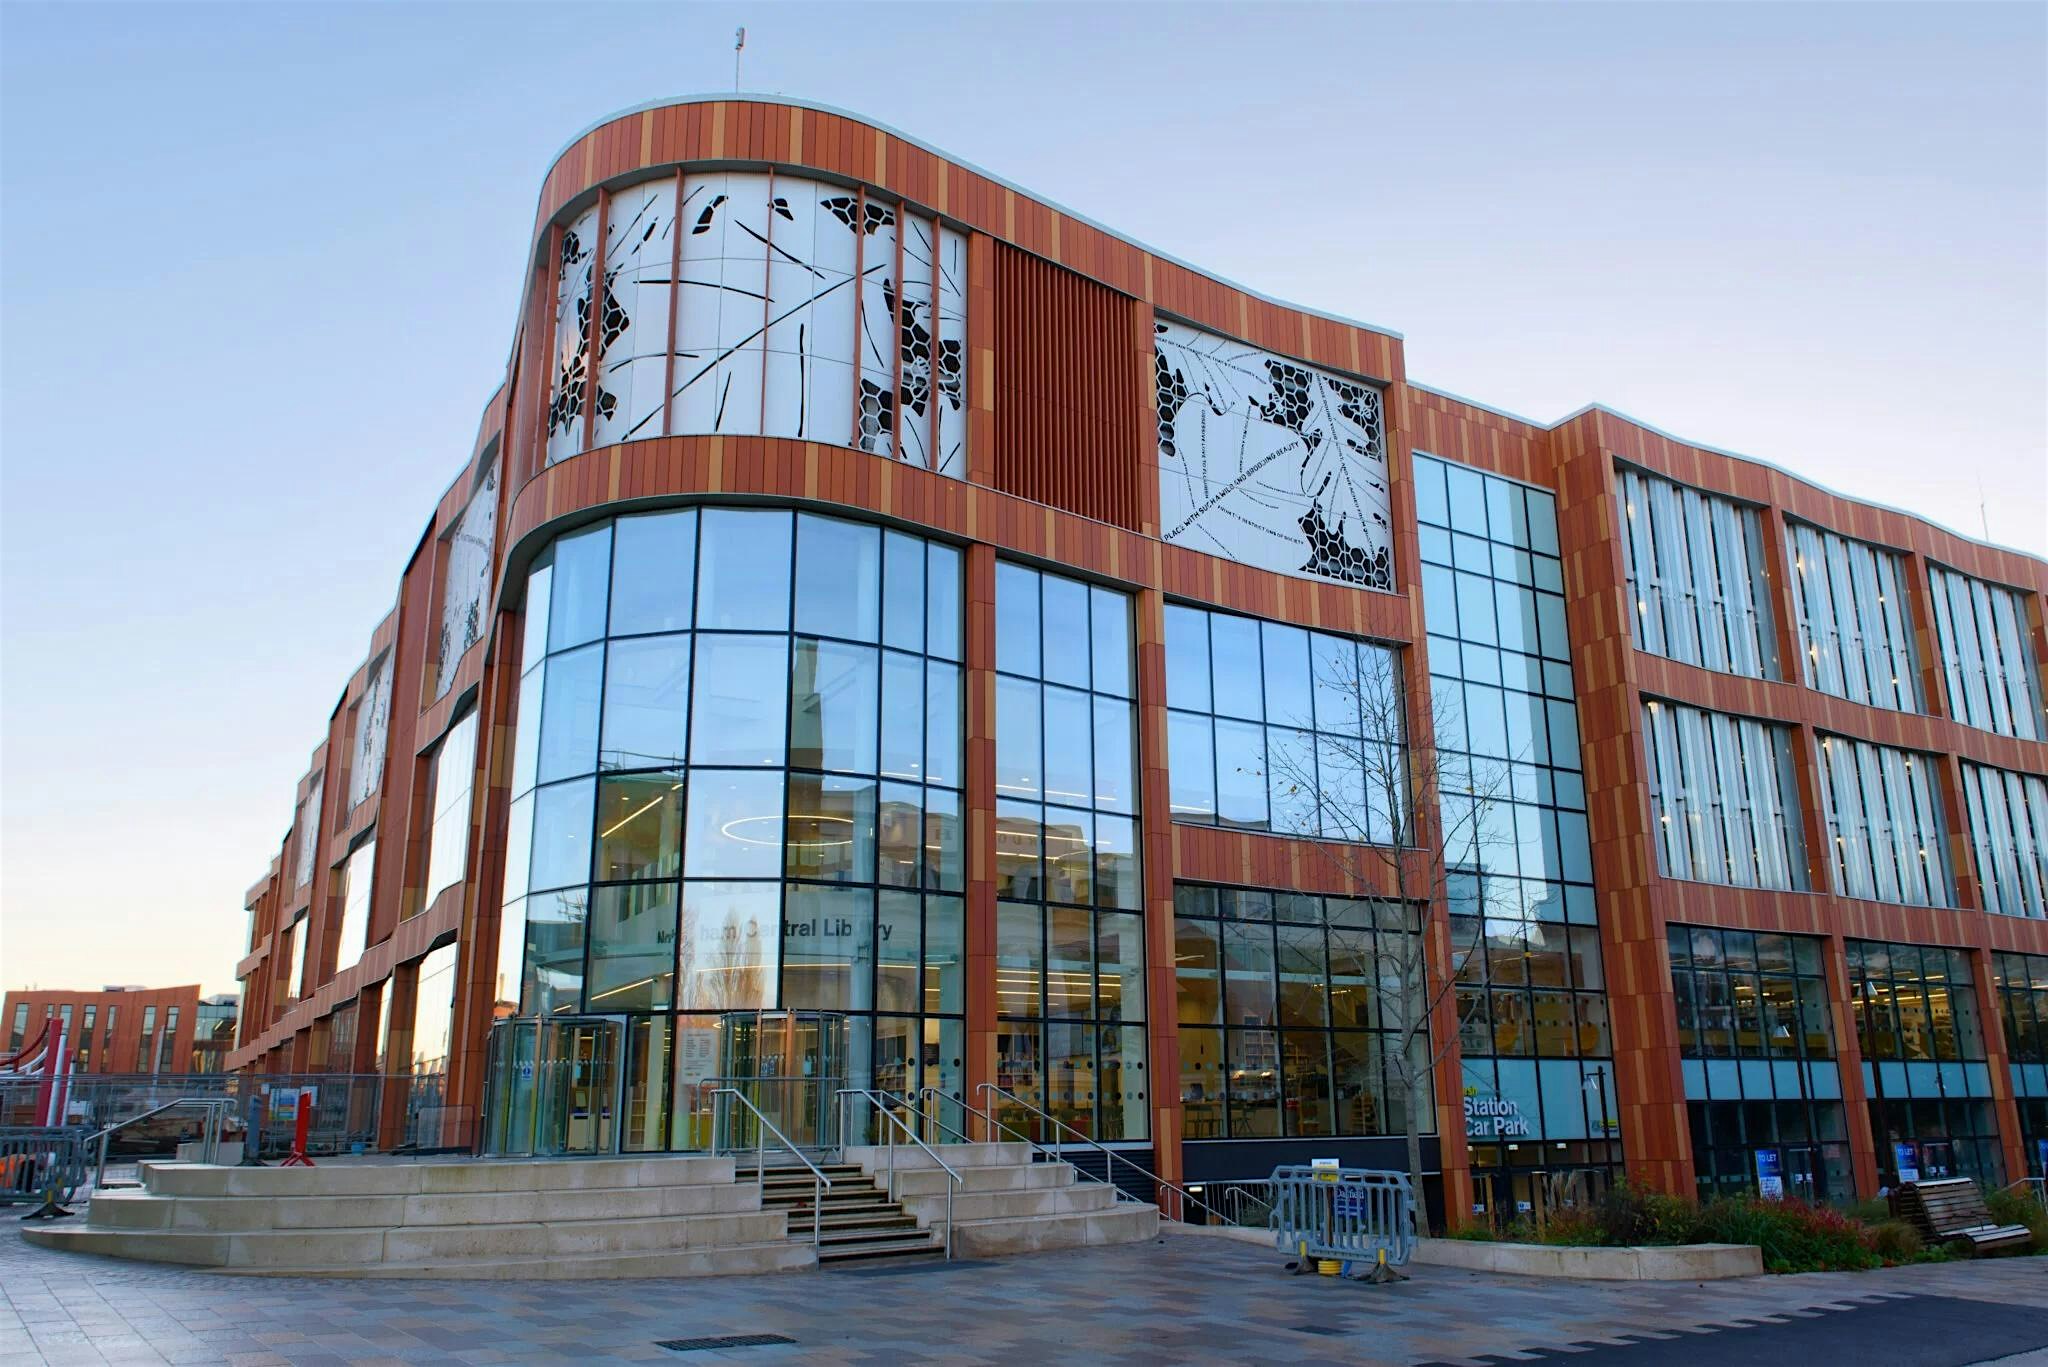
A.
pixel 1795 1236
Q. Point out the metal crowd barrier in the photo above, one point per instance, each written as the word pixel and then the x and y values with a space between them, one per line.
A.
pixel 1343 1215
pixel 33 1158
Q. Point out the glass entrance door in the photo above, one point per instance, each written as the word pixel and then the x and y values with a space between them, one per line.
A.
pixel 554 1086
pixel 790 1065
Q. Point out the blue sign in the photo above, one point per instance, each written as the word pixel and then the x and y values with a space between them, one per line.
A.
pixel 1907 1157
pixel 1770 1175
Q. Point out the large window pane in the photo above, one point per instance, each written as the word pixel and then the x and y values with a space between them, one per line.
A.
pixel 897 942
pixel 945 954
pixel 568 729
pixel 646 702
pixel 1017 620
pixel 1019 760
pixel 1248 974
pixel 833 708
pixel 729 946
pixel 838 577
pixel 1069 747
pixel 732 717
pixel 1067 641
pixel 1020 959
pixel 654 566
pixel 831 832
pixel 734 828
pixel 632 948
pixel 828 951
pixel 552 953
pixel 903 593
pixel 576 606
pixel 639 826
pixel 561 834
pixel 743 570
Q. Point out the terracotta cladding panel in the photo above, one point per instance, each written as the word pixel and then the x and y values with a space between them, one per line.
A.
pixel 1063 390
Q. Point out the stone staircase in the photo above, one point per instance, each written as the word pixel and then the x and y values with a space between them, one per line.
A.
pixel 558 1219
pixel 857 1220
pixel 1005 1202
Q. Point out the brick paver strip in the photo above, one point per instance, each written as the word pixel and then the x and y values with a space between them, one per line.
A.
pixel 1180 1300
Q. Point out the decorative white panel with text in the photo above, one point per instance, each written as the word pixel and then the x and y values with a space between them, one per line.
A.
pixel 1269 462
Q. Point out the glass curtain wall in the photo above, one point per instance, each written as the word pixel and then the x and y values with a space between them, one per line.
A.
pixel 1287 1013
pixel 1753 1010
pixel 1274 728
pixel 737 785
pixel 2008 816
pixel 1696 576
pixel 1931 1111
pixel 1855 634
pixel 1070 961
pixel 2022 983
pixel 1884 823
pixel 1992 677
pixel 1725 798
pixel 1524 938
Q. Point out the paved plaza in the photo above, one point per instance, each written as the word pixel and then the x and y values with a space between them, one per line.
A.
pixel 1179 1299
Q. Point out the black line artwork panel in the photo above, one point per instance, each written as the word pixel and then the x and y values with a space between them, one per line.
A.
pixel 793 318
pixel 1269 462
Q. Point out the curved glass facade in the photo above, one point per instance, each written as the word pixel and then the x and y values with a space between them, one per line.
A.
pixel 736 786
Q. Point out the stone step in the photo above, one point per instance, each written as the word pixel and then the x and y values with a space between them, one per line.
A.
pixel 1118 1224
pixel 871 1157
pixel 1016 1177
pixel 841 1247
pixel 1002 1205
pixel 280 1250
pixel 143 1210
pixel 728 1260
pixel 437 1177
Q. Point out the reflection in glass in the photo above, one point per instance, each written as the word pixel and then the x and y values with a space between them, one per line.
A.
pixel 743 570
pixel 831 832
pixel 838 577
pixel 734 828
pixel 729 946
pixel 632 948
pixel 639 826
pixel 732 720
pixel 833 715
pixel 828 950
pixel 646 702
pixel 654 561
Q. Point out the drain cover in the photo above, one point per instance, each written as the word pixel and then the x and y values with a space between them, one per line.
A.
pixel 724 1341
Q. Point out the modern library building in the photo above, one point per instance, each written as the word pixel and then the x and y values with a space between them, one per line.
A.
pixel 891 632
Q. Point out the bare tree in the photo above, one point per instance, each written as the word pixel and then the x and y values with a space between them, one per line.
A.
pixel 1401 821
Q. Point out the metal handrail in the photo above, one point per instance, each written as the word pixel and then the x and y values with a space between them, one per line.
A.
pixel 1241 1191
pixel 2037 1187
pixel 1111 1154
pixel 882 1100
pixel 767 1128
pixel 216 1108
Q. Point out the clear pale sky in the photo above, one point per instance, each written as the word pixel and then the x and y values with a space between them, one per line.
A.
pixel 258 271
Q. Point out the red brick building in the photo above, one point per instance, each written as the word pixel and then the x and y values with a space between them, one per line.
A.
pixel 799 409
pixel 129 1030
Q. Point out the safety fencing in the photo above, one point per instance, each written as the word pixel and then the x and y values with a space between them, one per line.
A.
pixel 346 1110
pixel 36 1158
pixel 1343 1215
